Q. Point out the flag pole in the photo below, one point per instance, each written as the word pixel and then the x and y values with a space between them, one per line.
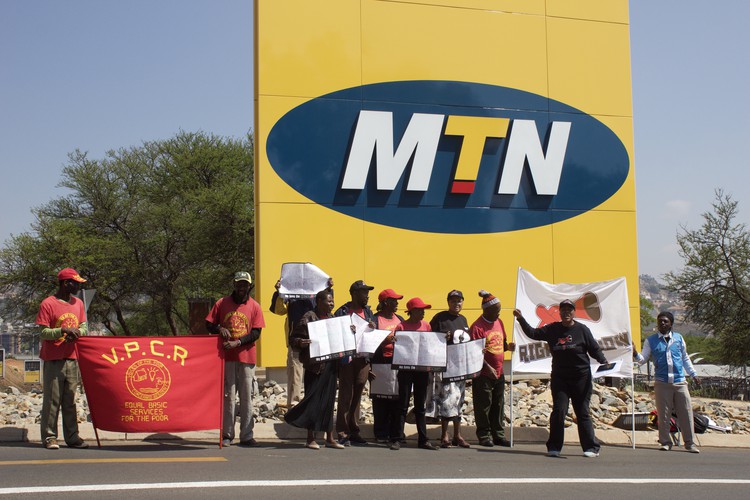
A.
pixel 511 400
pixel 221 393
pixel 632 406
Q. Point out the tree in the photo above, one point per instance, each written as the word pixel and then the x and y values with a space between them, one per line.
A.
pixel 150 226
pixel 715 281
pixel 647 317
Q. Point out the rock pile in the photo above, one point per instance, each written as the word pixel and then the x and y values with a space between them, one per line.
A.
pixel 532 404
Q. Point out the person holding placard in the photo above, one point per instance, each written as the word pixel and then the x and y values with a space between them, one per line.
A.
pixel 354 372
pixel 293 310
pixel 413 381
pixel 385 411
pixel 315 411
pixel 571 344
pixel 449 396
pixel 488 389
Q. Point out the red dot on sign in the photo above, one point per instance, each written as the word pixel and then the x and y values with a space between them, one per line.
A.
pixel 462 187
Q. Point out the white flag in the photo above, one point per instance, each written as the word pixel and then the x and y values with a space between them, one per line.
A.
pixel 602 307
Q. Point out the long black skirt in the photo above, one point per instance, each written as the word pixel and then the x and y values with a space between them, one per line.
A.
pixel 315 411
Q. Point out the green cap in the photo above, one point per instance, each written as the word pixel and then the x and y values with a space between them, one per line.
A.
pixel 243 276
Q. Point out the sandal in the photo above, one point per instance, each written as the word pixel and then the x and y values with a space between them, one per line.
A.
pixel 445 444
pixel 460 442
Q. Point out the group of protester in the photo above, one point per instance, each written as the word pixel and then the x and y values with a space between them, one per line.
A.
pixel 315 411
pixel 239 320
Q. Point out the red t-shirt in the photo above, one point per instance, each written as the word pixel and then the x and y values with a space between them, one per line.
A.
pixel 408 326
pixel 494 344
pixel 239 319
pixel 55 313
pixel 390 325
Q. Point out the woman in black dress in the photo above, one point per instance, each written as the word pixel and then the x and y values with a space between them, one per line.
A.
pixel 315 411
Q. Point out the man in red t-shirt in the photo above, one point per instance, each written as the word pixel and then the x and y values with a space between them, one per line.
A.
pixel 63 319
pixel 488 389
pixel 239 320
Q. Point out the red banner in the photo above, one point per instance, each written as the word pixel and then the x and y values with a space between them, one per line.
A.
pixel 153 384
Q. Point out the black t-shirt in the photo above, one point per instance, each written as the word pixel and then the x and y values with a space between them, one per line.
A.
pixel 445 322
pixel 570 346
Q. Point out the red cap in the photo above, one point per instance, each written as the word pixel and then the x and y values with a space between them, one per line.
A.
pixel 416 303
pixel 388 294
pixel 70 274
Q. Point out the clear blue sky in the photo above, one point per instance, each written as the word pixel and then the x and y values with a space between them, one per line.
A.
pixel 97 75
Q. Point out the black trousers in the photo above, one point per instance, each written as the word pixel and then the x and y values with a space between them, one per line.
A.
pixel 576 388
pixel 419 382
pixel 385 414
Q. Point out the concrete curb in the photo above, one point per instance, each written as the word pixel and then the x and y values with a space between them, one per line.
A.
pixel 280 431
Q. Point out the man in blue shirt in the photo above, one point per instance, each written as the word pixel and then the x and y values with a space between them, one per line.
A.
pixel 668 352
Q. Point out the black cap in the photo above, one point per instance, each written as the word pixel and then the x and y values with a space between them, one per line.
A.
pixel 567 302
pixel 455 293
pixel 360 285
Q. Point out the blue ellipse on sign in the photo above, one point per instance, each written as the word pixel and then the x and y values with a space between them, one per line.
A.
pixel 309 147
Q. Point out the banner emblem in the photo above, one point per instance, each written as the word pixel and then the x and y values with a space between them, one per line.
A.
pixel 148 379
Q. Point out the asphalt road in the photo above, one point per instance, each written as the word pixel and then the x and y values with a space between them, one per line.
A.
pixel 287 470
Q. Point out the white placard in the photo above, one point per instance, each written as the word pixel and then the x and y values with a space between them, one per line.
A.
pixel 301 280
pixel 331 338
pixel 420 351
pixel 367 339
pixel 385 385
pixel 465 360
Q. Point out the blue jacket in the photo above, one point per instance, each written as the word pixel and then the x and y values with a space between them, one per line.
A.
pixel 670 360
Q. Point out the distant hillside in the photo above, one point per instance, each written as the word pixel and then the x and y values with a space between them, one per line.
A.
pixel 665 300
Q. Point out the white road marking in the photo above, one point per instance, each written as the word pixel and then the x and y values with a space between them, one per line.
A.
pixel 359 482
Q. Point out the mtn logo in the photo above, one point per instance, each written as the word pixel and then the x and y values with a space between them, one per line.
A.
pixel 447 157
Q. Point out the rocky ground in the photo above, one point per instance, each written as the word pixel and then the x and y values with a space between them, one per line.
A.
pixel 20 405
pixel 532 404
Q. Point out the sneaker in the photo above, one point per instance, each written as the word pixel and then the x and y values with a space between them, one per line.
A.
pixel 51 444
pixel 226 443
pixel 590 454
pixel 553 453
pixel 344 441
pixel 357 440
pixel 81 445
pixel 395 445
pixel 486 442
pixel 428 446
pixel 665 447
pixel 249 442
pixel 693 449
pixel 501 442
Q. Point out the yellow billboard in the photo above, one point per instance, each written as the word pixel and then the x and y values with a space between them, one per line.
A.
pixel 433 145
